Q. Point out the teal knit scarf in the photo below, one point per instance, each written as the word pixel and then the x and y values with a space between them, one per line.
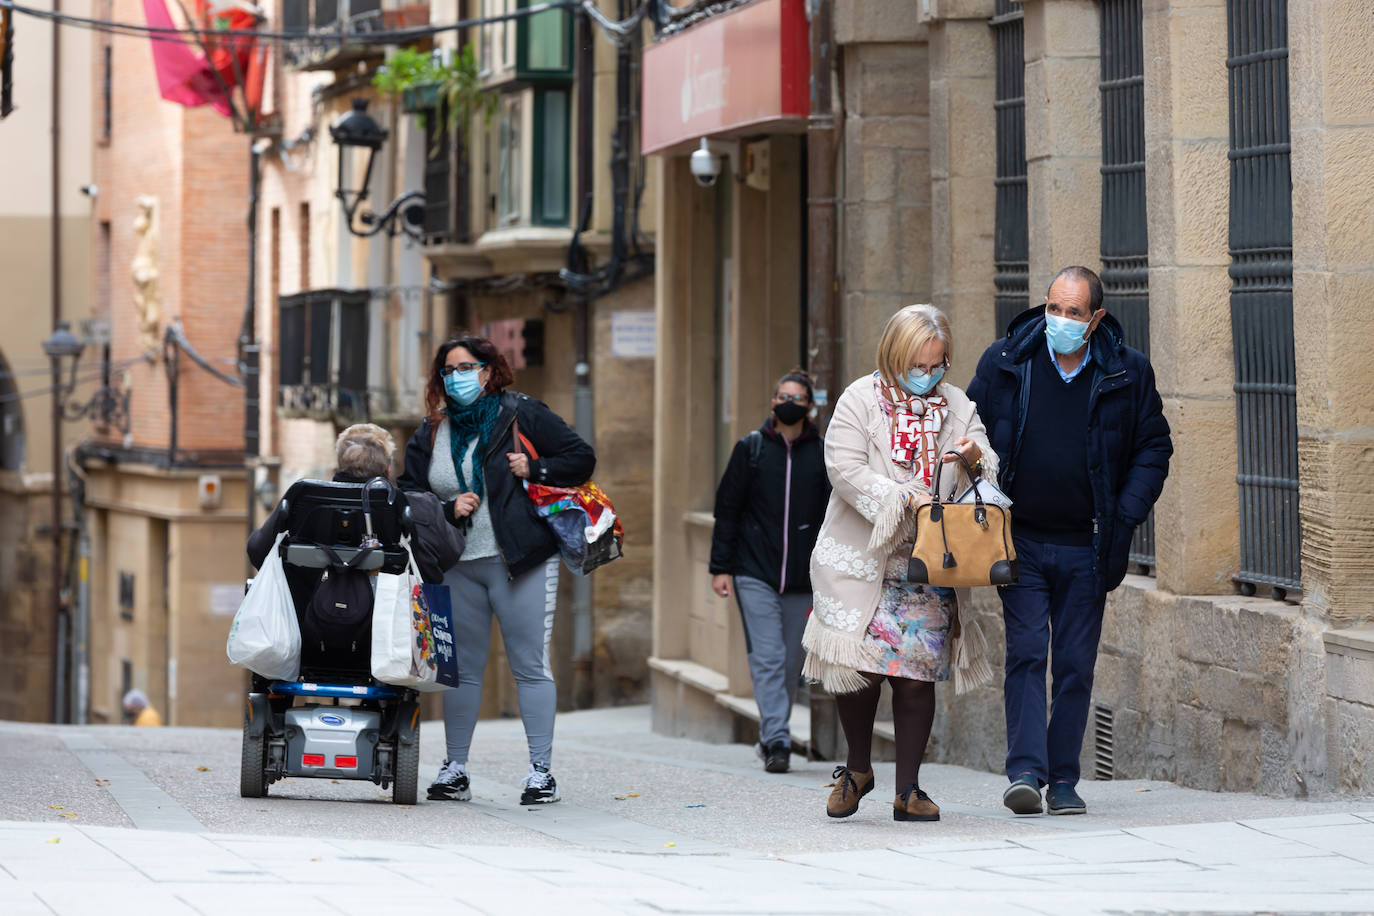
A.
pixel 475 420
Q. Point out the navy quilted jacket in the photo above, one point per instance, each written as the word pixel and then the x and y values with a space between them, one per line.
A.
pixel 1128 437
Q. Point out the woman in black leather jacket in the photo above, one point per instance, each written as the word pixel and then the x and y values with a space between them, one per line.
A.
pixel 465 452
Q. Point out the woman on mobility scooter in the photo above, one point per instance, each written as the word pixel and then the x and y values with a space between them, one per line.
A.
pixel 465 452
pixel 356 525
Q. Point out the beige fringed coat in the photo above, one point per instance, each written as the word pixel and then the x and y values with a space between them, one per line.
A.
pixel 866 519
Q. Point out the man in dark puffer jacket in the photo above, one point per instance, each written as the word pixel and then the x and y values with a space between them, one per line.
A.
pixel 1084 448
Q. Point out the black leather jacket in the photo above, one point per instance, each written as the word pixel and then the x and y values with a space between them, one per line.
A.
pixel 565 460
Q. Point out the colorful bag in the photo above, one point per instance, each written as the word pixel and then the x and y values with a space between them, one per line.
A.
pixel 404 649
pixel 582 519
pixel 441 628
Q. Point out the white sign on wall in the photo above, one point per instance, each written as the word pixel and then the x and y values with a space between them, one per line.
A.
pixel 225 599
pixel 633 334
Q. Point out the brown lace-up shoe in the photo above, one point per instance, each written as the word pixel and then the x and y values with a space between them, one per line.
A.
pixel 914 805
pixel 849 788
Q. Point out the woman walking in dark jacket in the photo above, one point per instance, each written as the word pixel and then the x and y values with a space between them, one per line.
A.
pixel 465 453
pixel 769 507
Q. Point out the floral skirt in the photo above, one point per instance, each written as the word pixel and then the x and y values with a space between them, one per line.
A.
pixel 909 633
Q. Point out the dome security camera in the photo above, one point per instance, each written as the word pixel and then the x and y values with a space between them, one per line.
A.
pixel 705 165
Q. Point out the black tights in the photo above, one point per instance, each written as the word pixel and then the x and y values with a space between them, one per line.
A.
pixel 913 713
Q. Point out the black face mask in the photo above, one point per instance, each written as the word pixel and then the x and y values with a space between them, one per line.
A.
pixel 789 412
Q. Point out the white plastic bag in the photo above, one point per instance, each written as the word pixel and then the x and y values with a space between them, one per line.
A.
pixel 265 636
pixel 403 645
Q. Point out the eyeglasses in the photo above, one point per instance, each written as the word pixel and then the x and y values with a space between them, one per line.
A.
pixel 446 371
pixel 930 370
pixel 794 398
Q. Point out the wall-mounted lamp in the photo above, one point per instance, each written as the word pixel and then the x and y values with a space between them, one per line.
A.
pixel 356 129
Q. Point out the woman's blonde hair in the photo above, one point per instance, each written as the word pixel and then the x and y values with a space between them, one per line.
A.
pixel 906 333
pixel 365 450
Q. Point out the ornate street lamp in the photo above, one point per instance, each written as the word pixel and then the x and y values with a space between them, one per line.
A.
pixel 108 405
pixel 356 129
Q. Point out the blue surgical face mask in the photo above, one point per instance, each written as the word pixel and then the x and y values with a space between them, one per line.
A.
pixel 921 383
pixel 463 387
pixel 1065 335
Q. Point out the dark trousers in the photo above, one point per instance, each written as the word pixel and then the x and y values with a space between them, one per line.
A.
pixel 1055 605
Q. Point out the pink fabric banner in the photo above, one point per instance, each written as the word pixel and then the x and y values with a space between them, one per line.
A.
pixel 183 76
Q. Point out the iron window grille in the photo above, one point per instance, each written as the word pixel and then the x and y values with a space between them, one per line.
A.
pixel 440 218
pixel 1125 242
pixel 1011 247
pixel 1261 243
pixel 322 351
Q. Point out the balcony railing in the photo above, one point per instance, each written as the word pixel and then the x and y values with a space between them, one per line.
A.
pixel 322 346
pixel 324 25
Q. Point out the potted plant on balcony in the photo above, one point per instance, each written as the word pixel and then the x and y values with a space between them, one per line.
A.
pixel 425 81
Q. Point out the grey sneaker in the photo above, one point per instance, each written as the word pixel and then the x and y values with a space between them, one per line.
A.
pixel 451 784
pixel 1023 795
pixel 540 787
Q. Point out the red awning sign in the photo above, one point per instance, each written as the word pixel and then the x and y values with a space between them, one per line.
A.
pixel 748 69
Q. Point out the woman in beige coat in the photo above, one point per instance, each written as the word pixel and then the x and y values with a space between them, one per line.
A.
pixel 888 432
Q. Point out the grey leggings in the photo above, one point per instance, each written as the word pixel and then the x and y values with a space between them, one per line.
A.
pixel 524 608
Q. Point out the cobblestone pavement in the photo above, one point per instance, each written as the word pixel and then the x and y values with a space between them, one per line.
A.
pixel 108 820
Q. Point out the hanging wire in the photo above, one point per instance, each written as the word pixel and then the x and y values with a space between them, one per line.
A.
pixel 382 36
pixel 620 32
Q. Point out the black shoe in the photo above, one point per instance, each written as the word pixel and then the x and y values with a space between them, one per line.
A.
pixel 1060 798
pixel 778 758
pixel 540 787
pixel 1023 795
pixel 451 784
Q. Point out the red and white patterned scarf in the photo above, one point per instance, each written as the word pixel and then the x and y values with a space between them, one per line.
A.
pixel 915 422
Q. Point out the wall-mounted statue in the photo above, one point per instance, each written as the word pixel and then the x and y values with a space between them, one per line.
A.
pixel 144 269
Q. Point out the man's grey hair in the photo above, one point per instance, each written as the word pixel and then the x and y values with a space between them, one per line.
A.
pixel 365 450
pixel 1085 275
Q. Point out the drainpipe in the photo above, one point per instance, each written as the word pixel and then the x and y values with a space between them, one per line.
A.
pixel 55 241
pixel 823 332
pixel 81 627
pixel 249 352
pixel 823 319
pixel 583 635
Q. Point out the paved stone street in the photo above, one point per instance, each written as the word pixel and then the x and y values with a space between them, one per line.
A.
pixel 117 820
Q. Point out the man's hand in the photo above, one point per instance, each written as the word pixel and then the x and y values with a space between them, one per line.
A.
pixel 720 584
pixel 466 504
pixel 519 464
pixel 966 447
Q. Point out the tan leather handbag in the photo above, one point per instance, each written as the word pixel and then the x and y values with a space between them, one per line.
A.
pixel 962 545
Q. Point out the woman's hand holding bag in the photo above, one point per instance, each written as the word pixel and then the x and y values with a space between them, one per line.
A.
pixel 962 545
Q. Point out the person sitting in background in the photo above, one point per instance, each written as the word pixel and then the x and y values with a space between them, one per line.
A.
pixel 138 710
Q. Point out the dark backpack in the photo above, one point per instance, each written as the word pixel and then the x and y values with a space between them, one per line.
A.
pixel 336 625
pixel 755 438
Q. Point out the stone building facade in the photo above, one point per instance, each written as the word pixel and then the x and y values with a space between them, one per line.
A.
pixel 45 239
pixel 165 491
pixel 987 144
pixel 153 198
